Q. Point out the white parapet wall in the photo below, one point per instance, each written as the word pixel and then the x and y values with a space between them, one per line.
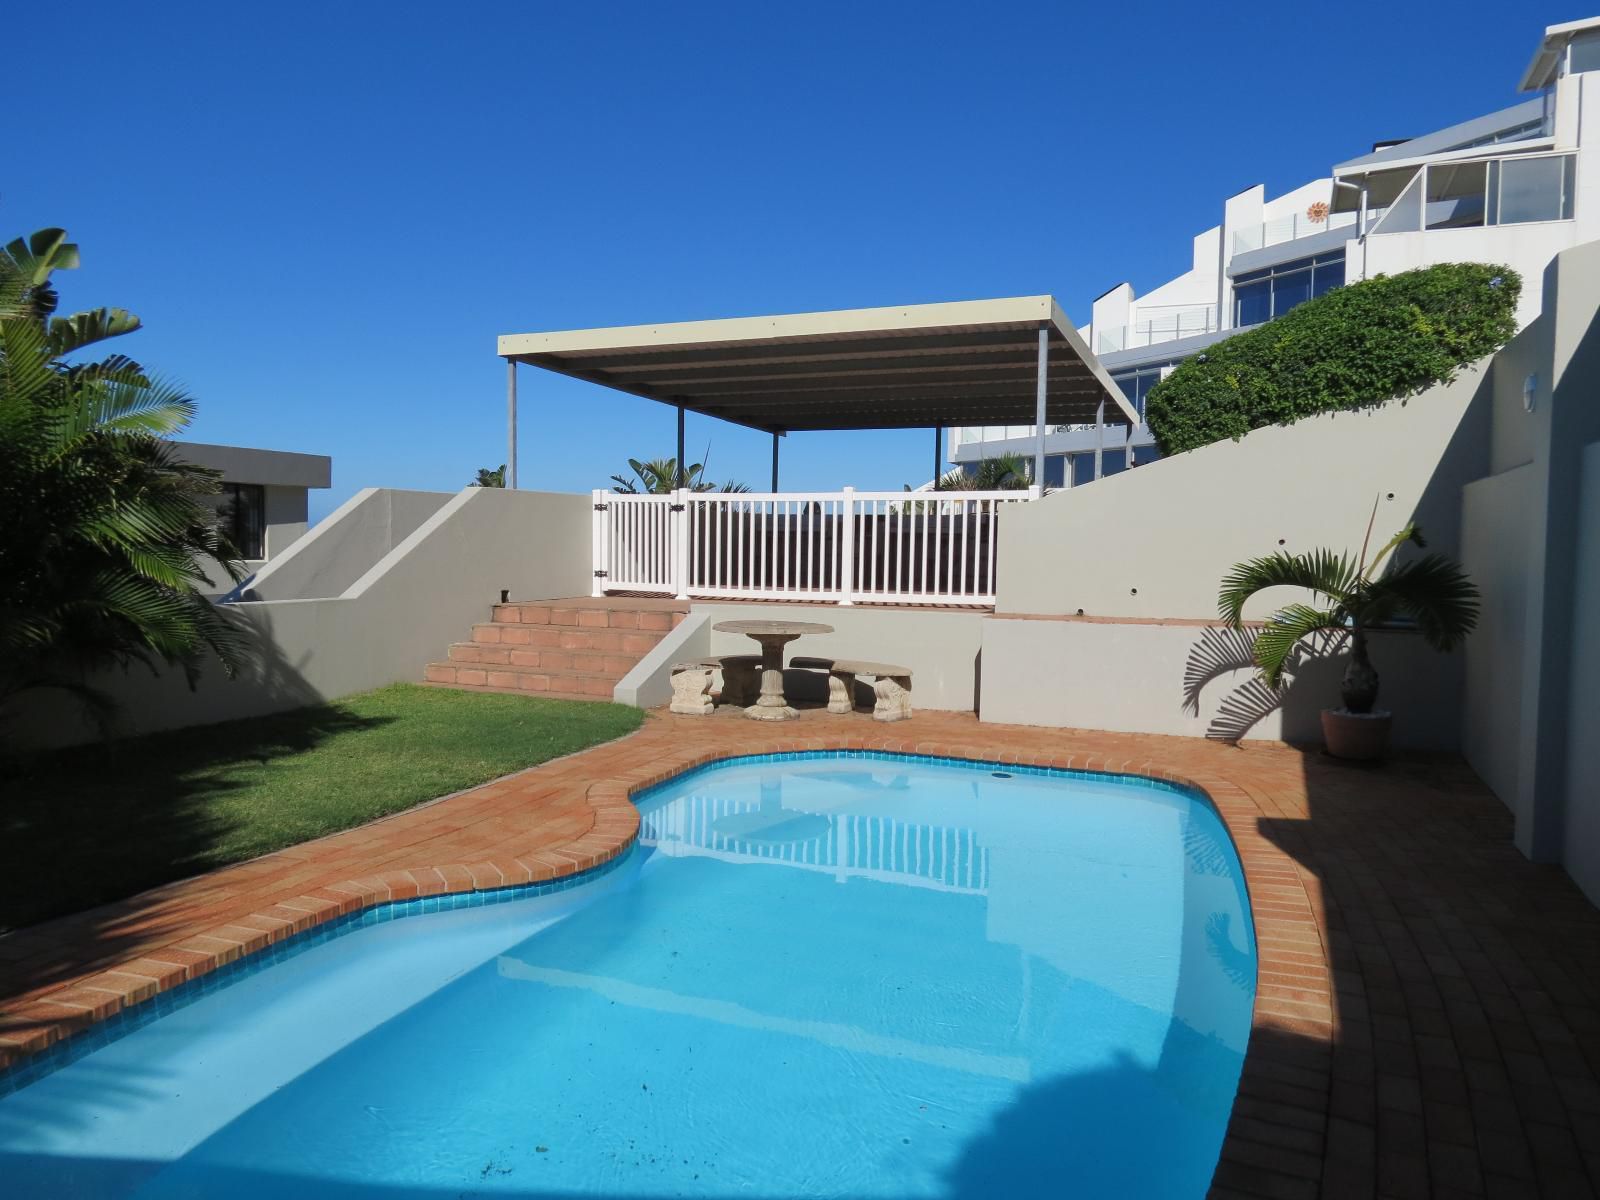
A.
pixel 1195 679
pixel 649 684
pixel 344 546
pixel 425 593
pixel 1581 852
pixel 1155 541
pixel 1108 593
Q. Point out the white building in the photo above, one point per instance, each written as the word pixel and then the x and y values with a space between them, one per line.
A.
pixel 1512 187
pixel 263 504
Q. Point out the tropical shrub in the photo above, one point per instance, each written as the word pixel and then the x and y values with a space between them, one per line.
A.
pixel 1003 473
pixel 1352 348
pixel 1354 597
pixel 660 477
pixel 490 477
pixel 103 530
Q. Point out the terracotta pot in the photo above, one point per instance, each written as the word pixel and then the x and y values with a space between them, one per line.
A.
pixel 1360 736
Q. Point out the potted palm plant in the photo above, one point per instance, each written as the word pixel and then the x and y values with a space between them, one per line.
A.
pixel 1354 597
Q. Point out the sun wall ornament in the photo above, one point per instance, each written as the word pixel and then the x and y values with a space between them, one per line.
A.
pixel 1317 213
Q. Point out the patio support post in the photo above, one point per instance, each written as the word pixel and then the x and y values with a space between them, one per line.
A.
pixel 775 460
pixel 511 423
pixel 680 467
pixel 938 454
pixel 1099 437
pixel 1039 409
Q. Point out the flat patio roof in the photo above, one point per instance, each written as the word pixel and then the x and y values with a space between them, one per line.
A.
pixel 911 366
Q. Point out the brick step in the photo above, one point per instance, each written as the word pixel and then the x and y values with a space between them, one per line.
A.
pixel 506 691
pixel 583 662
pixel 637 642
pixel 657 620
pixel 595 687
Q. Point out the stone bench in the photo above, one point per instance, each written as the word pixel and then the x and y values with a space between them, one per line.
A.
pixel 891 685
pixel 695 680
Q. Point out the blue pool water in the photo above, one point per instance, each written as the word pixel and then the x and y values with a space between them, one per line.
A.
pixel 817 975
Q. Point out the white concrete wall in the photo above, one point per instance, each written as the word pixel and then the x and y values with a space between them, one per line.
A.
pixel 1156 542
pixel 1194 680
pixel 1294 203
pixel 649 684
pixel 941 647
pixel 345 545
pixel 402 613
pixel 1244 210
pixel 285 517
pixel 1196 286
pixel 1109 315
pixel 1494 552
pixel 247 464
pixel 1527 249
pixel 1581 849
pixel 1564 419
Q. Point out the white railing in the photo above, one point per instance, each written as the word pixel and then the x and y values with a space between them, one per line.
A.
pixel 1156 324
pixel 844 547
pixel 1296 226
pixel 844 845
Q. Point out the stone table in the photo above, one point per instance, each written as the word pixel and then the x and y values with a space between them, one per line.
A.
pixel 773 636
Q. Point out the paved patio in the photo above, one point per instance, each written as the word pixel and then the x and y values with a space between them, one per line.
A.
pixel 1427 1020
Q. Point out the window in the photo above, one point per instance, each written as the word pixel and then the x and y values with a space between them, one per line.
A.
pixel 1516 133
pixel 1403 214
pixel 1583 54
pixel 1455 195
pixel 1055 470
pixel 1494 191
pixel 241 516
pixel 1531 189
pixel 1259 296
pixel 1112 462
pixel 1136 382
pixel 1252 303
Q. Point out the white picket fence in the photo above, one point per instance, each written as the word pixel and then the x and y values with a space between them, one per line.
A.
pixel 846 547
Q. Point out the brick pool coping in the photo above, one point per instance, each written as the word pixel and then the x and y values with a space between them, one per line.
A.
pixel 1367 1062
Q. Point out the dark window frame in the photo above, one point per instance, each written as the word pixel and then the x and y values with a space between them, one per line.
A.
pixel 1306 278
pixel 242 517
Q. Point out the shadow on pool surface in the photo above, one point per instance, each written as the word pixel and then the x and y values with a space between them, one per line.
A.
pixel 1118 1151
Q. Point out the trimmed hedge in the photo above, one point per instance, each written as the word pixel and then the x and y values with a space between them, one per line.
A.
pixel 1352 348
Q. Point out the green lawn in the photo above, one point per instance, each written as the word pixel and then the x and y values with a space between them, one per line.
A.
pixel 92 824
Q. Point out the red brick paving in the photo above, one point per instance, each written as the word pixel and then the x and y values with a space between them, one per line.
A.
pixel 1427 1019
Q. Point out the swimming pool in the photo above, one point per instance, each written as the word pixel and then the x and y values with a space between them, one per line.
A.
pixel 833 974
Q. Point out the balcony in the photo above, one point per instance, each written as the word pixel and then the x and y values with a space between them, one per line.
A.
pixel 1157 324
pixel 1293 227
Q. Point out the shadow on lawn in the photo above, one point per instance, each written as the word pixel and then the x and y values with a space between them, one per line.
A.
pixel 92 824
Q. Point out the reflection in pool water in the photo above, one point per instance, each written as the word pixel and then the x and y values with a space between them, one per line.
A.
pixel 833 975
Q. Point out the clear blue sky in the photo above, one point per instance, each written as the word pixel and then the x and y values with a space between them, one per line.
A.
pixel 326 213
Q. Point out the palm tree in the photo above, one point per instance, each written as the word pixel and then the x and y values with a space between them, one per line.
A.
pixel 494 477
pixel 103 530
pixel 1004 473
pixel 1432 591
pixel 660 477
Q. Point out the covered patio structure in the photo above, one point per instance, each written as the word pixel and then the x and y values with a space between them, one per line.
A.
pixel 1015 361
